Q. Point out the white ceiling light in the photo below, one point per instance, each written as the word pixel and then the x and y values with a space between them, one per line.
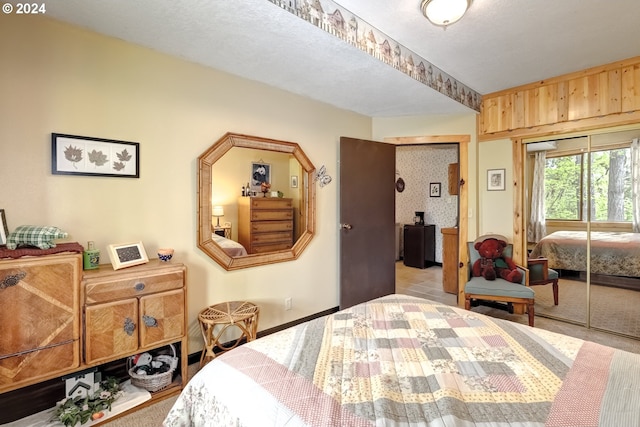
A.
pixel 444 12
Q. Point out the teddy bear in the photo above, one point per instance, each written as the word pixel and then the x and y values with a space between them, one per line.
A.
pixel 493 263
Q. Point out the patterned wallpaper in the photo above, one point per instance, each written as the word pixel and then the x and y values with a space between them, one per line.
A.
pixel 419 166
pixel 339 22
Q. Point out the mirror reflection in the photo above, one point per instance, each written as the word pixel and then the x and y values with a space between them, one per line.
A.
pixel 256 201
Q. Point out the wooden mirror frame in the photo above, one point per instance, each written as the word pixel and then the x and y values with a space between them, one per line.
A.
pixel 205 163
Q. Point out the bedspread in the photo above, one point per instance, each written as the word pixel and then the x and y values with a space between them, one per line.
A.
pixel 231 247
pixel 612 253
pixel 406 361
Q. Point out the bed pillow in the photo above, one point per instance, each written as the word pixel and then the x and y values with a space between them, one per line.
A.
pixel 32 235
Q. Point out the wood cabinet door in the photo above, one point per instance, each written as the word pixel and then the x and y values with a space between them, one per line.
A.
pixel 39 321
pixel 161 317
pixel 111 329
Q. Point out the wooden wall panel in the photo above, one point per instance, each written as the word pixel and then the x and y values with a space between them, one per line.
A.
pixel 631 88
pixel 594 93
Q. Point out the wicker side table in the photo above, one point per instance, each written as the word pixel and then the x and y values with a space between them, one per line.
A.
pixel 243 315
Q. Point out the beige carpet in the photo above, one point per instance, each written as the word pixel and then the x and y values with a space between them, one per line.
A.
pixel 612 309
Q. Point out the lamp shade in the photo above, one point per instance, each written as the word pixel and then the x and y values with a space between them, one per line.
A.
pixel 218 211
pixel 444 12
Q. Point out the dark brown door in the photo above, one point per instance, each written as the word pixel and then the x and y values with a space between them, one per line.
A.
pixel 367 220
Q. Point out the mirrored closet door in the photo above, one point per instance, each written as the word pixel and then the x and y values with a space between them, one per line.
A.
pixel 581 215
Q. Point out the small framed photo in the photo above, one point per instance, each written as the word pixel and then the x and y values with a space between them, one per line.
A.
pixel 4 230
pixel 82 155
pixel 495 180
pixel 294 181
pixel 127 254
pixel 434 189
pixel 260 172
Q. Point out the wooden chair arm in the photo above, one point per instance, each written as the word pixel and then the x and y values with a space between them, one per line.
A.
pixel 539 265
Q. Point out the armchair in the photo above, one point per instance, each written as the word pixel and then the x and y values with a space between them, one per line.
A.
pixel 479 289
pixel 541 274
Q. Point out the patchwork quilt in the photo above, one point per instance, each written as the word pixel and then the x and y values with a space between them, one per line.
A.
pixel 405 361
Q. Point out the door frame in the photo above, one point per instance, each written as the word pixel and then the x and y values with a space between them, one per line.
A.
pixel 463 193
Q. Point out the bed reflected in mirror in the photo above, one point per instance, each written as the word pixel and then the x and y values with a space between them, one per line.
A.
pixel 256 201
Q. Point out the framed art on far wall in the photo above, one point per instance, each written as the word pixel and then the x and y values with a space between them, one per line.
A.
pixel 83 155
pixel 495 180
pixel 4 230
pixel 127 255
pixel 260 172
pixel 434 189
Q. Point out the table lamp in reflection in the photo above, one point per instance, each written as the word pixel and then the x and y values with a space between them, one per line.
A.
pixel 218 212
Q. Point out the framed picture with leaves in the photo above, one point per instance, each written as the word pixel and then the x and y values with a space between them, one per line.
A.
pixel 83 155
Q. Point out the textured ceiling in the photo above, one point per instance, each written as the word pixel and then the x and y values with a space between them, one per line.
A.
pixel 499 44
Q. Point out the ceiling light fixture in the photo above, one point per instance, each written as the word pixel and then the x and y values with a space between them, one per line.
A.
pixel 444 12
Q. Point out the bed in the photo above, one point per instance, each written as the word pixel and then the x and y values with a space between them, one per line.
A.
pixel 612 253
pixel 405 361
pixel 231 247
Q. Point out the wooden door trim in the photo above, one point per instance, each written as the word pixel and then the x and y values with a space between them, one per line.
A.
pixel 463 196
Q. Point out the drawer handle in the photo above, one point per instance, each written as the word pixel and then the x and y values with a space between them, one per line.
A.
pixel 149 321
pixel 139 287
pixel 129 326
pixel 12 279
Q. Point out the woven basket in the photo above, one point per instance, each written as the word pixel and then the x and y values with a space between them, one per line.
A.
pixel 157 381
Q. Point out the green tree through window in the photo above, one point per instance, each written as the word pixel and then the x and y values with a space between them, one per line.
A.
pixel 609 186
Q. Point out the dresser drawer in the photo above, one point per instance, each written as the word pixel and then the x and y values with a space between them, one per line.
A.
pixel 270 203
pixel 120 287
pixel 276 236
pixel 38 365
pixel 271 226
pixel 260 249
pixel 271 215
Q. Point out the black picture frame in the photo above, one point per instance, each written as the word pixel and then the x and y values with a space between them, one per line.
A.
pixel 4 229
pixel 434 189
pixel 88 156
pixel 260 172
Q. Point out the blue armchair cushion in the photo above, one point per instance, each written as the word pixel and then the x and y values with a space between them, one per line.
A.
pixel 497 288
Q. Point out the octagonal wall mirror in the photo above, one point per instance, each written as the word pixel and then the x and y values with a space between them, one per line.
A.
pixel 258 228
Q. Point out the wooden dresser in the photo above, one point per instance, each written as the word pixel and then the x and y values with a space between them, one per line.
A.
pixel 39 319
pixel 133 310
pixel 265 224
pixel 57 320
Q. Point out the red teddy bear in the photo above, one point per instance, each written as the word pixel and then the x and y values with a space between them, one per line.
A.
pixel 493 263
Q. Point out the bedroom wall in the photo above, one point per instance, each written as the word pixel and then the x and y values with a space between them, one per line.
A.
pixel 495 207
pixel 420 165
pixel 60 78
pixel 460 124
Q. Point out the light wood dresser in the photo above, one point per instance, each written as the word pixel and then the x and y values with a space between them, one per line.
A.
pixel 57 320
pixel 133 310
pixel 265 224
